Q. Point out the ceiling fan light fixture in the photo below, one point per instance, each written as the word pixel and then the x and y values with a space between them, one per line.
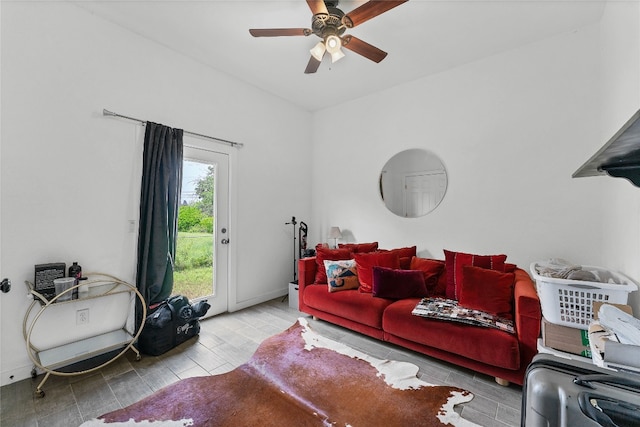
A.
pixel 333 44
pixel 336 55
pixel 318 51
pixel 329 23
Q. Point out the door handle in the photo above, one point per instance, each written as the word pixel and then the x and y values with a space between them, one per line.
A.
pixel 224 241
pixel 6 285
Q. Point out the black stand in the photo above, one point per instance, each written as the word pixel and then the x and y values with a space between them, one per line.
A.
pixel 302 247
pixel 302 240
pixel 293 222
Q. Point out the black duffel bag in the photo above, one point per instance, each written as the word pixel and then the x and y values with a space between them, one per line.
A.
pixel 169 324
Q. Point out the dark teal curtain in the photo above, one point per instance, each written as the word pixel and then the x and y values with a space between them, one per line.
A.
pixel 159 204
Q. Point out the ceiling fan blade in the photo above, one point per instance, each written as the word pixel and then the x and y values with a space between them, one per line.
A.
pixel 363 48
pixel 369 10
pixel 312 66
pixel 277 32
pixel 317 6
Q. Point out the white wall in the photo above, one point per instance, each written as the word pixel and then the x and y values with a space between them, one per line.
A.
pixel 621 99
pixel 510 129
pixel 506 128
pixel 70 177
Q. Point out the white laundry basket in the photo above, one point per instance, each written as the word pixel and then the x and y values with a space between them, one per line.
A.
pixel 570 302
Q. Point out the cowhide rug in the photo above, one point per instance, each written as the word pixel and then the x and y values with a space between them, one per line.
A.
pixel 299 378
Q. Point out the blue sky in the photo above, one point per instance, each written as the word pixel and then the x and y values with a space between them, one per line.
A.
pixel 191 172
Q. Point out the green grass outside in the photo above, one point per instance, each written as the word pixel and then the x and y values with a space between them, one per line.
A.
pixel 193 276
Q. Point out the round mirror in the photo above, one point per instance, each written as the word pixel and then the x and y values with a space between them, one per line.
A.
pixel 413 183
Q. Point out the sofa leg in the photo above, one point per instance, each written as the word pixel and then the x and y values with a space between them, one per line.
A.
pixel 502 382
pixel 314 318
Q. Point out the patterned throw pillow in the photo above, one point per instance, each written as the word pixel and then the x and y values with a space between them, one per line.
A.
pixel 341 275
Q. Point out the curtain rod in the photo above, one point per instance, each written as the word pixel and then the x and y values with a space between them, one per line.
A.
pixel 106 112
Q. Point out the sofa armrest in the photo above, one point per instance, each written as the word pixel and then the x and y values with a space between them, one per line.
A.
pixel 306 276
pixel 527 315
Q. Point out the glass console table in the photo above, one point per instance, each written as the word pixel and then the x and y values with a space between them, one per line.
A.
pixel 60 334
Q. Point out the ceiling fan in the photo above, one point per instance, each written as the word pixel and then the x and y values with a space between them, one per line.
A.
pixel 329 23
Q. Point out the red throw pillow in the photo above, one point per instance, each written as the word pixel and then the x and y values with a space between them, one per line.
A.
pixel 327 254
pixel 431 270
pixel 405 255
pixel 359 247
pixel 398 284
pixel 487 290
pixel 456 260
pixel 509 268
pixel 365 263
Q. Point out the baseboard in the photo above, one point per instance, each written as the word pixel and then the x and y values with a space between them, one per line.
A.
pixel 15 375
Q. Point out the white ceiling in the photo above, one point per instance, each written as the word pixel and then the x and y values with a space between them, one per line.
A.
pixel 422 37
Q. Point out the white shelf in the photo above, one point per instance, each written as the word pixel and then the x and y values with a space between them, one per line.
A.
pixel 84 349
pixel 110 334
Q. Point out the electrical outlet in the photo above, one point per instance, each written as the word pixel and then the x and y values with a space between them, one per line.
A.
pixel 82 316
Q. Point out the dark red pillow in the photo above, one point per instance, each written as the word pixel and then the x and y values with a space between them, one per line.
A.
pixel 487 290
pixel 365 263
pixel 456 260
pixel 359 247
pixel 431 270
pixel 398 284
pixel 327 254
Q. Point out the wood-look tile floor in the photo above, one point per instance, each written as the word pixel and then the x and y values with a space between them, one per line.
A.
pixel 225 342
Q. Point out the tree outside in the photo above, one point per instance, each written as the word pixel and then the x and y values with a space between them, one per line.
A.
pixel 193 276
pixel 204 192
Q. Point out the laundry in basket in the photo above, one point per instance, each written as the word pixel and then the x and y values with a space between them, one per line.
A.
pixel 567 300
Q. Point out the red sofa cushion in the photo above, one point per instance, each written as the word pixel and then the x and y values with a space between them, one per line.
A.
pixel 456 260
pixel 359 247
pixel 350 304
pixel 404 255
pixel 487 345
pixel 487 290
pixel 366 262
pixel 431 270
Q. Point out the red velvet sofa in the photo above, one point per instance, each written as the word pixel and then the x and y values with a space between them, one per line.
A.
pixel 489 351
